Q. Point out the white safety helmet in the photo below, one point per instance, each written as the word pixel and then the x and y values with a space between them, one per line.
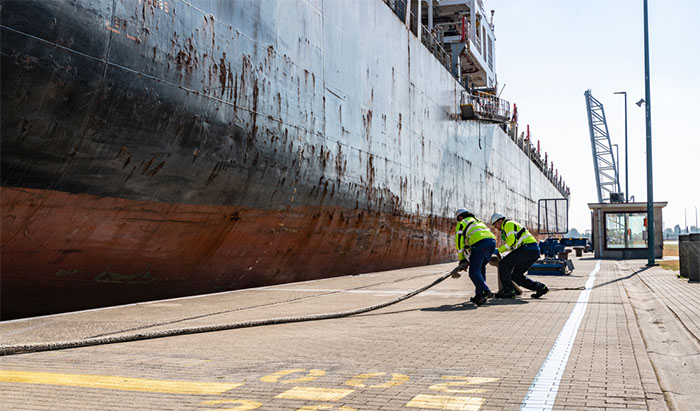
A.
pixel 461 211
pixel 495 217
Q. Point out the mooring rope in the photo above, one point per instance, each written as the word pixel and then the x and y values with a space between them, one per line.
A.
pixel 61 345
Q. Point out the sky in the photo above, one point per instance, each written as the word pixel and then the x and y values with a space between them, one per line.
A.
pixel 548 53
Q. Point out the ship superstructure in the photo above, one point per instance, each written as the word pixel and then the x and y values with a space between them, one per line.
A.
pixel 459 32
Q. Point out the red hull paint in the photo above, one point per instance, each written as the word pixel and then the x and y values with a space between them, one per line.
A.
pixel 65 251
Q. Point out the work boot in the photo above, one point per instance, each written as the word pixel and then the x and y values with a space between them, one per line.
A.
pixel 480 299
pixel 506 294
pixel 542 291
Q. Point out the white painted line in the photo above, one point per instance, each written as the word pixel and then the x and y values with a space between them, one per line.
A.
pixel 189 297
pixel 147 303
pixel 275 287
pixel 112 307
pixel 545 386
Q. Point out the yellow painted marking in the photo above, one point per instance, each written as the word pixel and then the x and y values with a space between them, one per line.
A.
pixel 243 405
pixel 359 380
pixel 325 407
pixel 445 402
pixel 315 394
pixel 117 383
pixel 461 382
pixel 275 377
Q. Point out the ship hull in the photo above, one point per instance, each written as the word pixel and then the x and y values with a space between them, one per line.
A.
pixel 153 149
pixel 72 251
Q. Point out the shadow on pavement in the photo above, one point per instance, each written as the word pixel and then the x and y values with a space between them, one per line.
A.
pixel 465 306
pixel 507 301
pixel 553 274
pixel 621 278
pixel 469 306
pixel 597 285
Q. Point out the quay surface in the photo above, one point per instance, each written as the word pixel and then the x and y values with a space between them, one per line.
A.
pixel 631 341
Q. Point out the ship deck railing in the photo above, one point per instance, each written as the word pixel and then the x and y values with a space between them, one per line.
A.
pixel 428 39
pixel 525 144
pixel 478 105
pixel 484 106
pixel 435 47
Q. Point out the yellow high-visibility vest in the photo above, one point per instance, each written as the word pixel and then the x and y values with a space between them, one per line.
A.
pixel 468 232
pixel 514 235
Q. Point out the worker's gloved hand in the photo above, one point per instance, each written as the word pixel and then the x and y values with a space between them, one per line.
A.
pixel 463 265
pixel 455 272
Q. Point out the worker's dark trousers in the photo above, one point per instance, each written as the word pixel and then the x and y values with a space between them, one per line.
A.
pixel 478 258
pixel 513 266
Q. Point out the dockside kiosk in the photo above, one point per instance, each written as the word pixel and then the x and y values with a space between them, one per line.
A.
pixel 620 230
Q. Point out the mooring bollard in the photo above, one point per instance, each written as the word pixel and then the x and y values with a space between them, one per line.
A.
pixel 694 258
pixel 683 243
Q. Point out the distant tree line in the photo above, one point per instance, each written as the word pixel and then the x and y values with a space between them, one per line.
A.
pixel 573 233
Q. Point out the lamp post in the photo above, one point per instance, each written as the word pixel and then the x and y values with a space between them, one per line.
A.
pixel 627 178
pixel 617 166
pixel 650 181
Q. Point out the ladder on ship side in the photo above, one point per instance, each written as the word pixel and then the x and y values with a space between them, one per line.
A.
pixel 606 173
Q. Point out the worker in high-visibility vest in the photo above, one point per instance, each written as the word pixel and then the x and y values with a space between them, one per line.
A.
pixel 474 237
pixel 512 267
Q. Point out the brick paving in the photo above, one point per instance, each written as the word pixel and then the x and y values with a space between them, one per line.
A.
pixel 604 369
pixel 679 295
pixel 433 351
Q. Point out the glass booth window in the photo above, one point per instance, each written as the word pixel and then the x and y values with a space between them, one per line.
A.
pixel 625 230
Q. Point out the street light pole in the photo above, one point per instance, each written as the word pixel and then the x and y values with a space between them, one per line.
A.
pixel 650 181
pixel 627 176
pixel 617 166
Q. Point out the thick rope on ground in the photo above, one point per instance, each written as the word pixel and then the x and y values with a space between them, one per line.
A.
pixel 61 345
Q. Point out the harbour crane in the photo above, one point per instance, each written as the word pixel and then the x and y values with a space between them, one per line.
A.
pixel 604 162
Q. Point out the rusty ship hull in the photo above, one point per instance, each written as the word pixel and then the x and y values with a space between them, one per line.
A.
pixel 154 149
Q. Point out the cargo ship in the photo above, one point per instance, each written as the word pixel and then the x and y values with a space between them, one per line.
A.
pixel 162 148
